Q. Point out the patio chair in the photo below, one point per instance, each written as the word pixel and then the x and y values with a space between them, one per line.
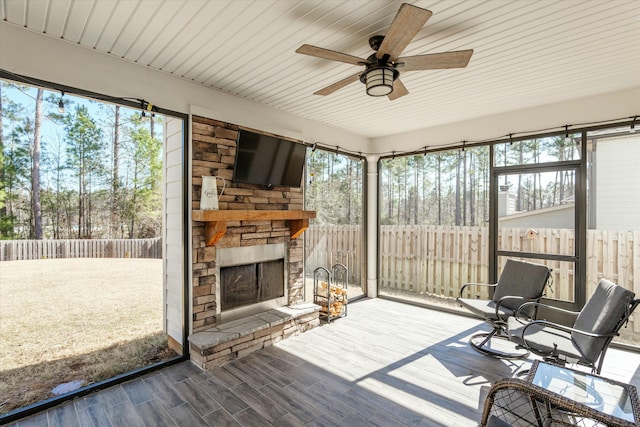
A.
pixel 587 340
pixel 520 282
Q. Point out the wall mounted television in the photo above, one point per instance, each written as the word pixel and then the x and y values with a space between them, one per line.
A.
pixel 268 161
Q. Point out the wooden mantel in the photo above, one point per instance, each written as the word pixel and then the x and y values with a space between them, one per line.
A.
pixel 216 220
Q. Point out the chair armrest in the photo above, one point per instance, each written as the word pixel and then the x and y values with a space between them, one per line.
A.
pixel 546 306
pixel 567 329
pixel 515 297
pixel 486 285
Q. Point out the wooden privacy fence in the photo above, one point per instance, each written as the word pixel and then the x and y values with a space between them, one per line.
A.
pixel 438 260
pixel 14 250
pixel 614 255
pixel 327 245
pixel 432 259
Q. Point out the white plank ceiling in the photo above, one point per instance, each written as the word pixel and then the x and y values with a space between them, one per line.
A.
pixel 526 53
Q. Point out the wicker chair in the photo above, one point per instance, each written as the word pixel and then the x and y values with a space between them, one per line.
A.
pixel 587 340
pixel 520 282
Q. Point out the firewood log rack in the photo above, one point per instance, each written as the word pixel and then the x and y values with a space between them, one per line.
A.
pixel 330 291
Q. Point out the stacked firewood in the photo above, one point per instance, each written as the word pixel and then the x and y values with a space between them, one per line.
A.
pixel 335 305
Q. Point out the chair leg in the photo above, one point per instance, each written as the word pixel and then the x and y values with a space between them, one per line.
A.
pixel 482 344
pixel 486 339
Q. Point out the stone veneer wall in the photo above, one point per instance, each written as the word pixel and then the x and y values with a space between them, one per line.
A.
pixel 213 153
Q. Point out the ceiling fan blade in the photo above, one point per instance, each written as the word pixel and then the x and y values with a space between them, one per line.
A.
pixel 436 61
pixel 399 89
pixel 408 21
pixel 337 85
pixel 332 55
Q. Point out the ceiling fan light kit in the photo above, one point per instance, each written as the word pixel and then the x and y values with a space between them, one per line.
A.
pixel 381 76
pixel 379 80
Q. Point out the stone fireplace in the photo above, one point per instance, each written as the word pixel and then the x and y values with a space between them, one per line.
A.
pixel 247 270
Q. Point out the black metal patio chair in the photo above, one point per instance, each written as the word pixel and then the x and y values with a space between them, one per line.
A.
pixel 587 340
pixel 519 282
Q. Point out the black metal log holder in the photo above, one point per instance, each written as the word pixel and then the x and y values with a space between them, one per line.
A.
pixel 335 279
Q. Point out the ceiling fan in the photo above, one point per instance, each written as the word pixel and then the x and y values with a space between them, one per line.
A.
pixel 382 68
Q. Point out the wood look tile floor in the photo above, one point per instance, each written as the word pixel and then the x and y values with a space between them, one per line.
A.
pixel 385 364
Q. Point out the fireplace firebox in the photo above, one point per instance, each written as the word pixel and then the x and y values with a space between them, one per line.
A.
pixel 251 279
pixel 251 283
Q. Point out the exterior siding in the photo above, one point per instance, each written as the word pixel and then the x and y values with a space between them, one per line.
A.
pixel 618 183
pixel 173 232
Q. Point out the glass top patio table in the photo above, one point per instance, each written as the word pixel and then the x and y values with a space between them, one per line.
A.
pixel 609 397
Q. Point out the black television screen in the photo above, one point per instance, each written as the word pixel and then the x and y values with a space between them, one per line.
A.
pixel 268 160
